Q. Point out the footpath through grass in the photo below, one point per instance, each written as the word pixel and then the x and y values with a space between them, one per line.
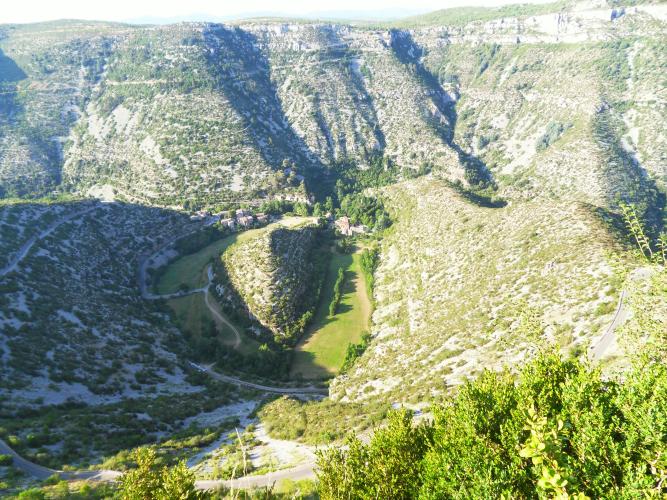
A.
pixel 196 320
pixel 321 352
pixel 190 270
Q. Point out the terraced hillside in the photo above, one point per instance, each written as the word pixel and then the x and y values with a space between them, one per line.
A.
pixel 203 113
pixel 72 319
pixel 460 286
pixel 278 275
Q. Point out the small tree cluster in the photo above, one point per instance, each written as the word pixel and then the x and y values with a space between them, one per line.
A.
pixel 338 285
pixel 558 429
pixel 149 482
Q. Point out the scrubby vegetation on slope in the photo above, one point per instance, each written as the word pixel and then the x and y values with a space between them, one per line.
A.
pixel 279 275
pixel 72 306
pixel 455 278
pixel 102 436
pixel 317 422
pixel 557 430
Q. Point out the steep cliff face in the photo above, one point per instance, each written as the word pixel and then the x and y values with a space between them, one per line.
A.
pixel 46 72
pixel 551 119
pixel 564 102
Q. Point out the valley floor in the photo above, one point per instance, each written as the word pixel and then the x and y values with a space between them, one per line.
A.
pixel 321 352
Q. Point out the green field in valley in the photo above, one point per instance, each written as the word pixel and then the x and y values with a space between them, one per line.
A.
pixel 321 352
pixel 190 270
pixel 195 319
pixel 193 316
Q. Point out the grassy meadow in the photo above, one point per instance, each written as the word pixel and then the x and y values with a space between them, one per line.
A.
pixel 321 352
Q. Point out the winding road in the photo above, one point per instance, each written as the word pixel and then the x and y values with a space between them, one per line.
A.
pixel 212 306
pixel 40 472
pixel 27 246
pixel 265 388
pixel 303 471
pixel 608 339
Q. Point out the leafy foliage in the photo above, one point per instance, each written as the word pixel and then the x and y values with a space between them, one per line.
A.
pixel 552 133
pixel 366 210
pixel 370 259
pixel 556 430
pixel 337 292
pixel 636 227
pixel 147 482
pixel 354 351
pixel 385 468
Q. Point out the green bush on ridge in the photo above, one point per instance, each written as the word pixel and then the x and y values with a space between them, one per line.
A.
pixel 557 430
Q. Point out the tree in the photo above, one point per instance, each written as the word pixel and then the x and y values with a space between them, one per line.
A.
pixel 557 429
pixel 141 483
pixel 301 209
pixel 328 204
pixel 178 483
pixel 148 482
pixel 386 468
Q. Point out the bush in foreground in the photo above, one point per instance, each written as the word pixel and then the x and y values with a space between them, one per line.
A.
pixel 148 482
pixel 557 430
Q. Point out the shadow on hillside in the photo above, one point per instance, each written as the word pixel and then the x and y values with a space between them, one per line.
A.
pixel 626 172
pixel 9 70
pixel 408 52
pixel 305 367
pixel 88 317
pixel 305 362
pixel 338 50
pixel 38 170
pixel 10 108
pixel 243 75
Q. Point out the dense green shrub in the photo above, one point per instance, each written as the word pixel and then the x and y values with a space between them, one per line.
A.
pixel 148 482
pixel 556 429
pixel 552 133
pixel 370 259
pixel 354 351
pixel 338 285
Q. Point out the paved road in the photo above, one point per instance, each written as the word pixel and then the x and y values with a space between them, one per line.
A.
pixel 266 388
pixel 27 246
pixel 609 337
pixel 207 369
pixel 175 295
pixel 607 340
pixel 42 473
pixel 304 471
